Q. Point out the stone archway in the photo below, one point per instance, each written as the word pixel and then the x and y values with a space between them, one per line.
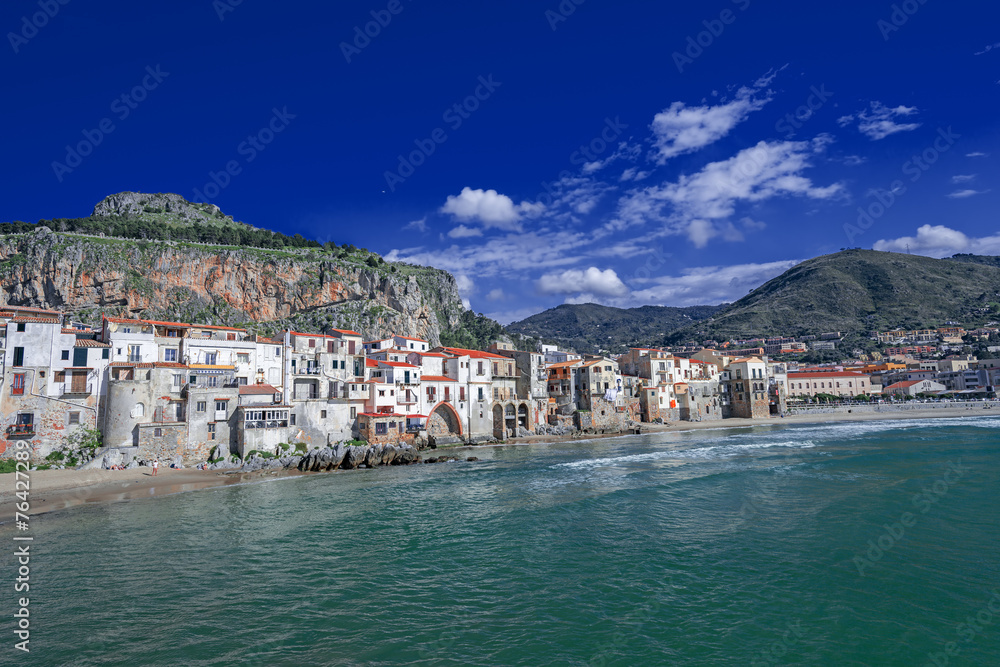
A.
pixel 510 419
pixel 522 416
pixel 498 422
pixel 444 424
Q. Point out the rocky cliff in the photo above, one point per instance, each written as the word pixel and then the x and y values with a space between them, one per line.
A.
pixel 264 289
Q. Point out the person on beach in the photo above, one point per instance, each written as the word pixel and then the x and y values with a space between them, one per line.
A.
pixel 156 464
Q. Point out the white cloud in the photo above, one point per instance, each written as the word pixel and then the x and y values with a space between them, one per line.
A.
pixel 463 232
pixel 507 316
pixel 962 194
pixel 490 208
pixel 940 241
pixel 496 295
pixel 699 202
pixel 634 174
pixel 592 281
pixel 419 225
pixel 977 154
pixel 963 178
pixel 879 121
pixel 681 129
pixel 989 47
pixel 752 224
pixel 854 160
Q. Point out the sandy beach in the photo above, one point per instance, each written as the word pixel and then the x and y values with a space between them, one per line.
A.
pixel 53 490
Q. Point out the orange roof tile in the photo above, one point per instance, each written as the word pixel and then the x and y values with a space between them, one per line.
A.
pixel 436 378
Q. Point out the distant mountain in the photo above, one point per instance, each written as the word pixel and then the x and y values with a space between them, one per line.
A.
pixel 856 291
pixel 588 327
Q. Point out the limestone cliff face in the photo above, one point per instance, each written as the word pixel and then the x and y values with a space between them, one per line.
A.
pixel 264 289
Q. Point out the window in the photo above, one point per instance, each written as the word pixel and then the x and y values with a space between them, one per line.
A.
pixel 220 406
pixel 479 369
pixel 381 392
pixel 354 413
pixel 20 326
pixel 211 431
pixel 178 381
pixel 170 354
pixel 461 393
pixel 18 356
pixel 17 388
pixel 322 414
pixel 292 422
pixel 134 353
pixel 212 381
pixel 104 353
pixel 139 410
pixel 211 358
pixel 277 351
pixel 480 393
pixel 74 418
pixel 496 393
pixel 65 355
pixel 312 343
pixel 157 432
pixel 343 365
pixel 201 406
pixel 381 428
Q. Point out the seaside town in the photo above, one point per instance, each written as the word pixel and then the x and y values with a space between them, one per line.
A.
pixel 187 394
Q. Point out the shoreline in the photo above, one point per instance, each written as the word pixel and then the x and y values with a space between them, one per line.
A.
pixel 55 490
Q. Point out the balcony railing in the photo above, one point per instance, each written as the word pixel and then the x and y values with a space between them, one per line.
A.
pixel 71 389
pixel 20 430
pixel 267 423
pixel 308 370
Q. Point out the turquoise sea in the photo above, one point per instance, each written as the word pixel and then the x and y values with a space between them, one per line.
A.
pixel 873 543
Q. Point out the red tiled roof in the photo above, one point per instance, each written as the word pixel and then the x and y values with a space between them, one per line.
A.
pixel 346 332
pixel 309 335
pixel 371 363
pixel 397 364
pixel 37 320
pixel 89 342
pixel 213 326
pixel 257 390
pixel 903 385
pixel 168 324
pixel 157 364
pixel 436 378
pixel 430 354
pixel 381 414
pixel 811 375
pixel 419 340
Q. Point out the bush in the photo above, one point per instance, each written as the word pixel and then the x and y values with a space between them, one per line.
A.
pixel 301 448
pixel 284 446
pixel 55 456
pixel 7 465
pixel 357 443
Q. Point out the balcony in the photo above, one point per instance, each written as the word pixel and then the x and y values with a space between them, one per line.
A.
pixel 266 423
pixel 20 430
pixel 134 359
pixel 308 370
pixel 75 388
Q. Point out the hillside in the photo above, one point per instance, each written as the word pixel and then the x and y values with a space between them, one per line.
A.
pixel 588 327
pixel 306 286
pixel 859 291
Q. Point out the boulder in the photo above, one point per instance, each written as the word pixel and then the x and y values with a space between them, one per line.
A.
pixel 354 456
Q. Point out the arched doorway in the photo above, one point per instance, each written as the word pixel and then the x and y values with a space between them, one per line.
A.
pixel 444 425
pixel 498 422
pixel 522 416
pixel 510 418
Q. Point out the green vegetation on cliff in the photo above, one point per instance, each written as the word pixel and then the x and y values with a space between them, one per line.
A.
pixel 857 291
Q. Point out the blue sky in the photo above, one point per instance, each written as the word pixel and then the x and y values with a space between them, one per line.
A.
pixel 627 153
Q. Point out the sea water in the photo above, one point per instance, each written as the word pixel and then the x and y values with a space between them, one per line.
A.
pixel 870 543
